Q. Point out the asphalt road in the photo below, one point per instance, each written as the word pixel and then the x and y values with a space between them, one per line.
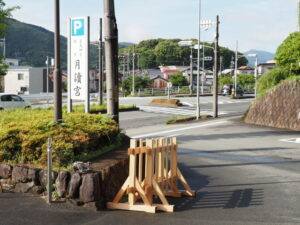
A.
pixel 243 175
pixel 158 114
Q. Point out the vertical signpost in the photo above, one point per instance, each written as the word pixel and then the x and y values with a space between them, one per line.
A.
pixel 78 61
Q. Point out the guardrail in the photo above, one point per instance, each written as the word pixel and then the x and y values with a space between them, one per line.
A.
pixel 153 172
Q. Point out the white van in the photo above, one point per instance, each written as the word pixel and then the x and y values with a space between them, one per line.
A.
pixel 11 101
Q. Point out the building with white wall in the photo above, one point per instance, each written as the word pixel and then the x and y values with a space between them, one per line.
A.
pixel 26 80
pixel 12 62
pixel 265 67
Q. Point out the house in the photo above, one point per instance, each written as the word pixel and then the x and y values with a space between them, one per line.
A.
pixel 26 80
pixel 159 82
pixel 265 67
pixel 228 72
pixel 245 69
pixel 169 70
pixel 208 77
pixel 12 62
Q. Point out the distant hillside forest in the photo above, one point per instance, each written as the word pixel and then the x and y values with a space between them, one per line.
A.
pixel 156 52
pixel 32 44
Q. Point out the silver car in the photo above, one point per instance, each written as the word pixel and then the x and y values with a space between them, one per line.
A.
pixel 11 101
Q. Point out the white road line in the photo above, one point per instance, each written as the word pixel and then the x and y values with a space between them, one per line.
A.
pixel 291 140
pixel 176 111
pixel 181 129
pixel 187 103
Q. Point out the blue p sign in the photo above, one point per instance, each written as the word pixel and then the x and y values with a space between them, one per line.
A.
pixel 78 27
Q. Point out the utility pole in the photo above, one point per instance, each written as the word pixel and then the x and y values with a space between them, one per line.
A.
pixel 216 69
pixel 57 70
pixel 133 72
pixel 111 59
pixel 235 68
pixel 198 64
pixel 100 64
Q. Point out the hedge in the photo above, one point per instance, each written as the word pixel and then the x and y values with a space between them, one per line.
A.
pixel 24 134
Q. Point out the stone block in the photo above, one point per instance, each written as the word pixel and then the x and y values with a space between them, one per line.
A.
pixel 90 188
pixel 23 187
pixel 20 174
pixel 5 171
pixel 43 177
pixel 74 185
pixel 62 182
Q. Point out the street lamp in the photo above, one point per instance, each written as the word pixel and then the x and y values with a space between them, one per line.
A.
pixel 189 43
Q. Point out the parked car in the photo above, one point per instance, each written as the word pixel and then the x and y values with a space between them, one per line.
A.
pixel 11 101
pixel 227 89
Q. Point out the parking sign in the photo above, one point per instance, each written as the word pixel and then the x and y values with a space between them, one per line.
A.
pixel 78 65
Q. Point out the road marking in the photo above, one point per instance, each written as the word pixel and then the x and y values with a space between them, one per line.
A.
pixel 181 129
pixel 291 140
pixel 186 111
pixel 187 103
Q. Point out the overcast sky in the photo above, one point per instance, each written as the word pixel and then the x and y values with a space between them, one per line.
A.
pixel 256 24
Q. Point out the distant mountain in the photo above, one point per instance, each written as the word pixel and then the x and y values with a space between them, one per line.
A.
pixel 32 44
pixel 124 44
pixel 263 56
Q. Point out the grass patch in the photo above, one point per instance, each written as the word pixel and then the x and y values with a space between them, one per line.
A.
pixel 179 119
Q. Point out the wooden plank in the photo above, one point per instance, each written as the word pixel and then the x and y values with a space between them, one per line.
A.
pixel 135 207
pixel 132 172
pixel 185 184
pixel 142 193
pixel 149 174
pixel 141 162
pixel 121 191
pixel 156 162
pixel 165 208
pixel 173 194
pixel 160 193
pixel 174 164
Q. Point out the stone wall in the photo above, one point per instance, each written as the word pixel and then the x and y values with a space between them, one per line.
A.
pixel 90 189
pixel 279 108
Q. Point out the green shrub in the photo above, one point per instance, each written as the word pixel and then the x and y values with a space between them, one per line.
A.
pixel 270 79
pixel 24 134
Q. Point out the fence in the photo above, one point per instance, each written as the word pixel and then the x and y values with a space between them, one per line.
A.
pixel 172 90
pixel 153 172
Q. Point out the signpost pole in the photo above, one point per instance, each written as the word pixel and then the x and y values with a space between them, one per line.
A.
pixel 49 171
pixel 57 70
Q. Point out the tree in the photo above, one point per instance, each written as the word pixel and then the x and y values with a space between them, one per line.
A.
pixel 177 79
pixel 244 79
pixel 288 54
pixel 225 80
pixel 139 82
pixel 5 13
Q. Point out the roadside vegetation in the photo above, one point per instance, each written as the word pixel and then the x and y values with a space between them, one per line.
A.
pixel 24 134
pixel 287 59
